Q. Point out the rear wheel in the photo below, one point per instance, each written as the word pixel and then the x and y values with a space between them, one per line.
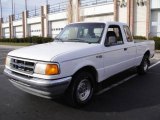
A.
pixel 81 89
pixel 143 68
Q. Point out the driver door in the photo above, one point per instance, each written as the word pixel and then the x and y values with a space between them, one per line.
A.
pixel 114 51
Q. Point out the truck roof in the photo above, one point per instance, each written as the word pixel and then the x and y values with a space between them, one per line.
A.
pixel 105 22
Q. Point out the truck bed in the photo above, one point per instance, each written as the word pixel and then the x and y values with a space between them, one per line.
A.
pixel 140 41
pixel 142 45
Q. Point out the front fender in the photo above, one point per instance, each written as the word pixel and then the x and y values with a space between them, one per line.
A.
pixel 82 65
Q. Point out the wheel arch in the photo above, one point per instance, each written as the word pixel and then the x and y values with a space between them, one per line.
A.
pixel 91 69
pixel 147 53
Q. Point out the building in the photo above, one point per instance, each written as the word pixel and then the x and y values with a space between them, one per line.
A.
pixel 143 17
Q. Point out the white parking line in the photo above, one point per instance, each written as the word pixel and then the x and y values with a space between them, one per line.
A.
pixel 154 65
pixel 123 81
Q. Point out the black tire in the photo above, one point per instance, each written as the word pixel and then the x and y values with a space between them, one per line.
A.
pixel 80 82
pixel 143 67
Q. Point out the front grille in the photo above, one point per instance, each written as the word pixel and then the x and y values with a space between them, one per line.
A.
pixel 22 66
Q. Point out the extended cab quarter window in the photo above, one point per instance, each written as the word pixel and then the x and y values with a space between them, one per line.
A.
pixel 113 36
pixel 128 34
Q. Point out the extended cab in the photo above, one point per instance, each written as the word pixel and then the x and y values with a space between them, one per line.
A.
pixel 81 56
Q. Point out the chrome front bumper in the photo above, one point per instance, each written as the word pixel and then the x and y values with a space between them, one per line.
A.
pixel 40 87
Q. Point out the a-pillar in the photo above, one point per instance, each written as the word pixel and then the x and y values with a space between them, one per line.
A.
pixel 1 33
pixel 25 26
pixel 11 29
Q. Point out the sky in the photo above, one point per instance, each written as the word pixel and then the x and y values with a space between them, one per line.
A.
pixel 20 5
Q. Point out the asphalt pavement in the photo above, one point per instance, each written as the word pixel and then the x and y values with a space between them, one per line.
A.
pixel 138 98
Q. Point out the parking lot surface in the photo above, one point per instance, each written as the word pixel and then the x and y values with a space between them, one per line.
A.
pixel 138 98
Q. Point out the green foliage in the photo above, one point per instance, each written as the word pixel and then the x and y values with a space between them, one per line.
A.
pixel 139 38
pixel 39 40
pixel 15 44
pixel 157 42
pixel 156 39
pixel 34 40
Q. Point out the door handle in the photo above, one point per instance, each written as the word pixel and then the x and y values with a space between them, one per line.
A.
pixel 125 49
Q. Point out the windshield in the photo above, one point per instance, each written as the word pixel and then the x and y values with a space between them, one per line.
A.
pixel 82 32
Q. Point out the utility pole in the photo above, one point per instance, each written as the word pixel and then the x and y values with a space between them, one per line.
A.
pixel 12 7
pixel 26 5
pixel 46 2
pixel 35 10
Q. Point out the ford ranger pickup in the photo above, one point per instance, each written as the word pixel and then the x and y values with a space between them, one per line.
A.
pixel 81 56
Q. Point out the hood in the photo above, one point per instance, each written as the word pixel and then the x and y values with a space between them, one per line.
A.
pixel 45 52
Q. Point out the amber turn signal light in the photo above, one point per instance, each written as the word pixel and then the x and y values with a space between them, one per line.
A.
pixel 52 69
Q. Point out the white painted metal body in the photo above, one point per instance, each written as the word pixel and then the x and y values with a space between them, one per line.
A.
pixel 72 56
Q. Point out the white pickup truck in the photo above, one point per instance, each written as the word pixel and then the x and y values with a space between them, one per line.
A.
pixel 81 56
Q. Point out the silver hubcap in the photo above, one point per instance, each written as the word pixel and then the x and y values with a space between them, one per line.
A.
pixel 145 65
pixel 83 90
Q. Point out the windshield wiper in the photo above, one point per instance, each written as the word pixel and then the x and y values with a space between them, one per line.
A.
pixel 78 40
pixel 59 39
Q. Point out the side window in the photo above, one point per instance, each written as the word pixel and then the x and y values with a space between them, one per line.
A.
pixel 113 36
pixel 128 33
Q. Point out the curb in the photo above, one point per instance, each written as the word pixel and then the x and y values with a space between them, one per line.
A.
pixel 157 51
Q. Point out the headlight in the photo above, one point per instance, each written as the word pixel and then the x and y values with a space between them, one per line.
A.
pixel 47 69
pixel 8 61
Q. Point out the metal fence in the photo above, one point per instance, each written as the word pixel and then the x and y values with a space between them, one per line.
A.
pixel 35 12
pixel 93 2
pixel 18 16
pixel 59 7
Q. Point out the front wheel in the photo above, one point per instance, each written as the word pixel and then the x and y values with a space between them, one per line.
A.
pixel 143 67
pixel 81 89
